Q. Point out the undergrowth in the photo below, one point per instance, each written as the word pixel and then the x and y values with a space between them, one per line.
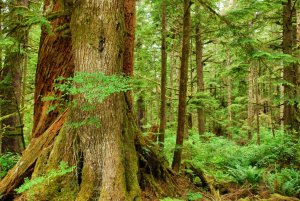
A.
pixel 275 163
pixel 7 161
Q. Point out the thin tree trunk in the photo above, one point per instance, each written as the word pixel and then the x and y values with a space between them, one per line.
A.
pixel 163 98
pixel 271 105
pixel 257 108
pixel 141 111
pixel 200 81
pixel 25 65
pixel 13 139
pixel 250 102
pixel 229 97
pixel 183 86
pixel 172 66
pixel 229 102
pixel 290 69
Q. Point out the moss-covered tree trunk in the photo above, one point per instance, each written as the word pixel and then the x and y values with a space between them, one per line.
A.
pixel 55 60
pixel 109 158
pixel 107 163
pixel 10 88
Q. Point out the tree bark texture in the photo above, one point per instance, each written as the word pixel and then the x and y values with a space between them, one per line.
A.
pixel 250 102
pixel 200 81
pixel 11 91
pixel 141 111
pixel 54 61
pixel 183 86
pixel 105 157
pixel 289 41
pixel 109 170
pixel 163 98
pixel 229 99
pixel 257 102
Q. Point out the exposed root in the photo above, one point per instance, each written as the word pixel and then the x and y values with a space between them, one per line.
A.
pixel 26 164
pixel 154 173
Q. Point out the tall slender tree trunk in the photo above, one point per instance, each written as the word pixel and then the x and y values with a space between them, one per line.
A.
pixel 229 99
pixel 141 111
pixel 163 98
pixel 257 107
pixel 271 104
pixel 11 92
pixel 250 102
pixel 172 66
pixel 183 85
pixel 291 121
pixel 24 76
pixel 200 81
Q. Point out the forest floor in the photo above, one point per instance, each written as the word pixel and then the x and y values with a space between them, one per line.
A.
pixel 234 171
pixel 226 192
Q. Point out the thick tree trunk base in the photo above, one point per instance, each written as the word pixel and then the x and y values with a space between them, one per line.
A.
pixel 45 152
pixel 24 167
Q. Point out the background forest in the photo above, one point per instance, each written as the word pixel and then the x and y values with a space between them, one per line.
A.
pixel 215 86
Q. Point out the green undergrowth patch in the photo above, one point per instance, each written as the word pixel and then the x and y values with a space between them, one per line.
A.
pixel 7 161
pixel 275 163
pixel 31 187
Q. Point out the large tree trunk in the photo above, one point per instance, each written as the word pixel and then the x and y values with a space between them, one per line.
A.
pixel 55 60
pixel 163 98
pixel 105 156
pixel 103 152
pixel 183 85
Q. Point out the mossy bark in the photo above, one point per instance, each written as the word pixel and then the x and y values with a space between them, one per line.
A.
pixel 108 166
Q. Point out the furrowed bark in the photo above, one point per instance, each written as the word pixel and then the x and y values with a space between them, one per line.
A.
pixel 54 61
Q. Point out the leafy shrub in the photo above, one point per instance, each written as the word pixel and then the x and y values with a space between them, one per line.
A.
pixel 285 182
pixel 226 161
pixel 247 174
pixel 52 174
pixel 7 161
pixel 170 199
pixel 193 196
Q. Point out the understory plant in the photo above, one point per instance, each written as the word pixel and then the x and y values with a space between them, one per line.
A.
pixel 7 161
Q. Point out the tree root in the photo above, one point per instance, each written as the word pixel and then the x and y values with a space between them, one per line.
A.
pixel 25 165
